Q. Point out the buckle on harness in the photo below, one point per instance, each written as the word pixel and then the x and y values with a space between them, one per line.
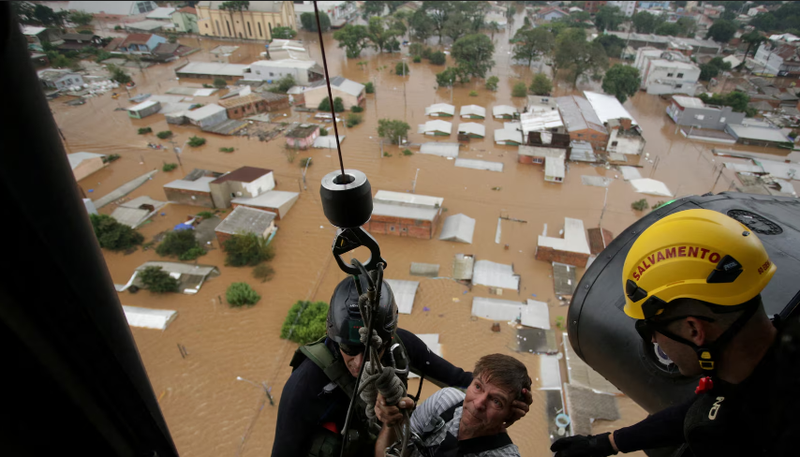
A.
pixel 399 371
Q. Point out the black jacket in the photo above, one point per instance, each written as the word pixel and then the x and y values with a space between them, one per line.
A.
pixel 305 404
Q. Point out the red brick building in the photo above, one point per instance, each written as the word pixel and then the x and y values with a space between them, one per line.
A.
pixel 252 104
pixel 402 214
pixel 573 249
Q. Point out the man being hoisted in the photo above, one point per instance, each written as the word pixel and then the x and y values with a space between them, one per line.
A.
pixel 693 282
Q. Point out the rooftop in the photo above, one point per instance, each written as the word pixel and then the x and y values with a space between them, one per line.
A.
pixel 30 30
pixel 578 114
pixel 759 133
pixel 688 102
pixel 136 38
pixel 500 110
pixel 537 151
pixel 405 212
pixel 123 8
pixel 288 63
pixel 302 131
pixel 436 126
pixel 574 238
pixel 539 121
pixel 469 110
pixel 340 82
pixel 198 185
pixel 269 199
pixel 161 13
pixel 146 25
pixel 76 158
pixel 243 174
pixel 212 69
pixel 239 101
pixel 607 107
pixel 262 7
pixel 204 112
pixel 554 167
pixel 143 105
pixel 652 38
pixel 458 227
pixel 405 199
pixel 472 128
pixel 246 220
pixel 440 108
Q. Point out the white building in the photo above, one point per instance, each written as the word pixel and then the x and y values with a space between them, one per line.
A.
pixel 304 72
pixel 666 72
pixel 778 56
pixel 627 8
pixel 339 12
pixel 440 110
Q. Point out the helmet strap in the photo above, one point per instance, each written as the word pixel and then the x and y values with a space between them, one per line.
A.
pixel 707 354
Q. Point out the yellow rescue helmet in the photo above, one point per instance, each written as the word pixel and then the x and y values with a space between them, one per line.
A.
pixel 698 254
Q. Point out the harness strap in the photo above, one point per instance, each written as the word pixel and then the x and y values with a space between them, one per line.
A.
pixel 453 447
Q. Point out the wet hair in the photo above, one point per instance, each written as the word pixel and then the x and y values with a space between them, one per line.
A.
pixel 504 371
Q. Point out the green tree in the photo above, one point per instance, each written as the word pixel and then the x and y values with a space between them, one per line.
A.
pixel 80 18
pixel 247 250
pixel 196 141
pixel 112 235
pixel 372 8
pixel 438 58
pixel 438 12
pixel 164 134
pixel 305 322
pixel 157 280
pixel 708 71
pixel 220 83
pixel 612 44
pixel 491 83
pixel 285 33
pixel 765 22
pixel 241 294
pixel 688 26
pixel 456 26
pixel 622 81
pixel 644 22
pixel 668 29
pixel 401 68
pixel 263 272
pixel 446 78
pixel 421 24
pixel 353 120
pixel 640 205
pixel 736 100
pixel 309 21
pixel 354 38
pixel 379 34
pixel 392 129
pixel 541 85
pixel 325 105
pixel 753 40
pixel 338 104
pixel 608 18
pixel 286 83
pixel 117 74
pixel 46 16
pixel 574 53
pixel 493 27
pixel 178 244
pixel 721 31
pixel 473 53
pixel 369 87
pixel 519 90
pixel 530 44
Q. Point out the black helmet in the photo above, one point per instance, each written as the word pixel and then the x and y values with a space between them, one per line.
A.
pixel 344 317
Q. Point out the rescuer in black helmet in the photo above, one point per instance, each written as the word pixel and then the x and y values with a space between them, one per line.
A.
pixel 313 404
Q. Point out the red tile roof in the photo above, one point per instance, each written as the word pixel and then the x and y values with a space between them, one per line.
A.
pixel 188 9
pixel 137 38
pixel 244 174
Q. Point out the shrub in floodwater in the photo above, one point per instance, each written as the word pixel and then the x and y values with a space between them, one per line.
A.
pixel 519 90
pixel 417 59
pixel 206 214
pixel 407 152
pixel 306 161
pixel 144 130
pixel 473 93
pixel 305 322
pixel 369 87
pixel 241 294
pixel 353 120
pixel 169 166
pixel 157 280
pixel 177 244
pixel 356 109
pixel 112 235
pixel 263 272
pixel 247 250
pixel 640 205
pixel 196 141
pixel 226 149
pixel 164 134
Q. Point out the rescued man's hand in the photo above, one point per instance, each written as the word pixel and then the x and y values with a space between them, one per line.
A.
pixel 392 415
pixel 520 407
pixel 584 446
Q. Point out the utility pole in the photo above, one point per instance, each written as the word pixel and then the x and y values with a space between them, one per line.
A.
pixel 605 200
pixel 414 187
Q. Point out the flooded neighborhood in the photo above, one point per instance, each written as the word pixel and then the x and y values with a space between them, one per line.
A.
pixel 488 208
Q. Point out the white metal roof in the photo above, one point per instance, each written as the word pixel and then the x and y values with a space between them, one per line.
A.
pixel 149 26
pixel 436 126
pixel 554 167
pixel 488 273
pixel 540 121
pixel 199 185
pixel 688 102
pixel 406 199
pixel 539 151
pixel 440 108
pixel 578 114
pixel 501 110
pixel 479 164
pixel 531 314
pixel 404 294
pixel 629 173
pixel 472 128
pixel 157 319
pixel 284 63
pixel 161 13
pixel 673 64
pixel 340 82
pixel 204 112
pixel 131 217
pixel 440 149
pixel 574 238
pixel 76 158
pixel 473 110
pixel 758 133
pixel 143 105
pixel 733 61
pixel 406 212
pixel 506 134
pixel 328 141
pixel 123 8
pixel 650 187
pixel 607 107
pixel 458 227
pixel 213 69
pixel 244 219
pixel 30 30
pixel 549 372
pixel 269 199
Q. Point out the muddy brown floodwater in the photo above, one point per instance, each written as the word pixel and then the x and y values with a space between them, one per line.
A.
pixel 208 412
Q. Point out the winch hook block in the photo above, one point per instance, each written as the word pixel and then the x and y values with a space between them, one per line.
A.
pixel 348 239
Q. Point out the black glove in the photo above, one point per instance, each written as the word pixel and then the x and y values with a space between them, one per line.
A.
pixel 584 446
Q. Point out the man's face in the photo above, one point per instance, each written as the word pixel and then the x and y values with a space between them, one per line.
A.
pixel 682 355
pixel 486 407
pixel 353 363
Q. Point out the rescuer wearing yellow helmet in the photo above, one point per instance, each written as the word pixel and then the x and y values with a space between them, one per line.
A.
pixel 692 281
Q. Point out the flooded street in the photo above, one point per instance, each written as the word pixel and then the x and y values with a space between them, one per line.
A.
pixel 210 413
